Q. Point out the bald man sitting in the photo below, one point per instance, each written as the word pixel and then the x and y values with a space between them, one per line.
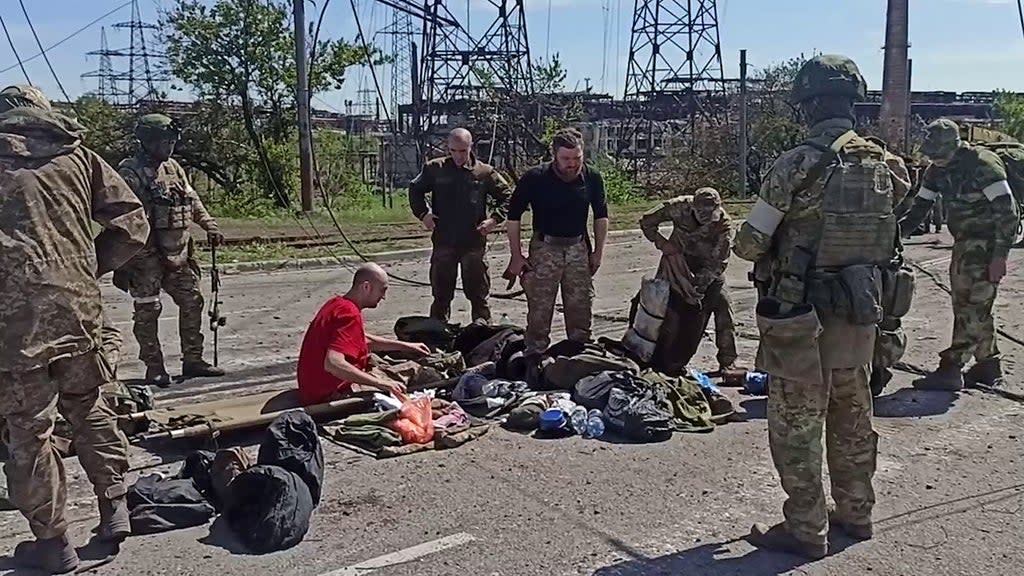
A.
pixel 460 188
pixel 335 357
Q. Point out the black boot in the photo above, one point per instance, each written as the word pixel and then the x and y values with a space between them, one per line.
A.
pixel 946 378
pixel 200 369
pixel 879 378
pixel 114 523
pixel 157 375
pixel 988 372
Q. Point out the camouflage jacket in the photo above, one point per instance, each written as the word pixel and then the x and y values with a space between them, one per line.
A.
pixel 965 186
pixel 50 188
pixel 171 205
pixel 798 212
pixel 459 198
pixel 705 248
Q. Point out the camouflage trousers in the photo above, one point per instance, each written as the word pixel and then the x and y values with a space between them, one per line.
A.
pixel 554 266
pixel 445 263
pixel 974 330
pixel 29 403
pixel 725 328
pixel 146 277
pixel 837 400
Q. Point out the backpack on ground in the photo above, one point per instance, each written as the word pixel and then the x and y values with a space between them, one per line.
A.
pixel 563 372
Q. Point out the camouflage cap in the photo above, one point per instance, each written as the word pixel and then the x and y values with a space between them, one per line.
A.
pixel 828 75
pixel 708 204
pixel 23 96
pixel 941 138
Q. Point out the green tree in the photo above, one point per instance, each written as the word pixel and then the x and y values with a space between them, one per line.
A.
pixel 1009 108
pixel 240 54
pixel 109 130
pixel 549 75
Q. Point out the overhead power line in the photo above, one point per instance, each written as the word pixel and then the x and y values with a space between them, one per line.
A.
pixel 15 50
pixel 1020 13
pixel 43 51
pixel 68 37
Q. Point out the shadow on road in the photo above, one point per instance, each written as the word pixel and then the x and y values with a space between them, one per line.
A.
pixel 705 560
pixel 755 408
pixel 908 403
pixel 221 536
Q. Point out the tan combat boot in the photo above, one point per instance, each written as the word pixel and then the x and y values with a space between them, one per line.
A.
pixel 946 378
pixel 778 539
pixel 52 555
pixel 858 532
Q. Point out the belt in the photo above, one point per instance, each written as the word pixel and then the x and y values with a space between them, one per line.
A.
pixel 558 240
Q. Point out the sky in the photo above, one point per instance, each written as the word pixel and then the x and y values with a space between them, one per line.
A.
pixel 957 45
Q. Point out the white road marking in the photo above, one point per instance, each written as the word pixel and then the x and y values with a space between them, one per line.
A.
pixel 403 556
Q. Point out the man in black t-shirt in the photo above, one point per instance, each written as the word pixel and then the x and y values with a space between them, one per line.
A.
pixel 561 194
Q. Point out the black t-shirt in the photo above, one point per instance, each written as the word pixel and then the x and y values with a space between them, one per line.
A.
pixel 559 207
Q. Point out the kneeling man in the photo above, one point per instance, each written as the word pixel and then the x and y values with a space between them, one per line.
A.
pixel 335 357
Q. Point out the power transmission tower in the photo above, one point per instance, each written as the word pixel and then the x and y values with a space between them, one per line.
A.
pixel 402 35
pixel 145 71
pixel 107 80
pixel 674 72
pixel 458 72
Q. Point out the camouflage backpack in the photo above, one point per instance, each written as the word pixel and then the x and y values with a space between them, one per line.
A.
pixel 1012 155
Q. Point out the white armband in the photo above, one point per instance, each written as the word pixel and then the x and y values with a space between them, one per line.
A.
pixel 996 189
pixel 927 194
pixel 764 217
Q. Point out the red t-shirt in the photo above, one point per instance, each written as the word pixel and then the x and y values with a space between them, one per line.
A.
pixel 337 326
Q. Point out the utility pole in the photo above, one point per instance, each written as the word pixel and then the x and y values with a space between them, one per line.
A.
pixel 892 113
pixel 743 124
pixel 910 100
pixel 302 106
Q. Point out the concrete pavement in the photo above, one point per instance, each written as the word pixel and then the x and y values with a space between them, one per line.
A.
pixel 949 482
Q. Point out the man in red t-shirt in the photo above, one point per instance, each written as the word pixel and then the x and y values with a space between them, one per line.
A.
pixel 336 350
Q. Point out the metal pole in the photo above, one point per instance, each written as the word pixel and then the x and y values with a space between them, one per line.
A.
pixel 302 106
pixel 891 114
pixel 910 105
pixel 743 124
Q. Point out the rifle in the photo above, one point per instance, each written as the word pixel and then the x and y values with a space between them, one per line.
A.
pixel 216 319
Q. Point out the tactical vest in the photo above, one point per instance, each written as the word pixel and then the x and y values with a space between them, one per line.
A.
pixel 163 190
pixel 834 260
pixel 858 225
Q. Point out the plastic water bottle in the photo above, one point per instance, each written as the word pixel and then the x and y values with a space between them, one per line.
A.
pixel 704 381
pixel 578 417
pixel 756 383
pixel 595 424
pixel 503 320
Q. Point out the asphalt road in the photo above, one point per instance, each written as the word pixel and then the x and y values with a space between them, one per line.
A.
pixel 949 480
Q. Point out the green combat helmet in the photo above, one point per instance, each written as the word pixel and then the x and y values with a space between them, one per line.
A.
pixel 23 96
pixel 152 127
pixel 828 75
pixel 941 139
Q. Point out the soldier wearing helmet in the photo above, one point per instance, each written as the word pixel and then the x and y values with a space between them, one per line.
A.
pixel 983 218
pixel 166 263
pixel 824 237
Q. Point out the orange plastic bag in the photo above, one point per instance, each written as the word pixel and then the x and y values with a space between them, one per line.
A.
pixel 415 423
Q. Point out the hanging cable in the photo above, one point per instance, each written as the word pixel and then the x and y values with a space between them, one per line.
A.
pixel 68 37
pixel 15 50
pixel 1020 14
pixel 43 52
pixel 369 61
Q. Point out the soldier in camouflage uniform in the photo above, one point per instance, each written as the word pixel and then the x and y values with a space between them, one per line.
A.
pixel 694 259
pixel 561 194
pixel 983 219
pixel 52 189
pixel 459 186
pixel 824 224
pixel 166 262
